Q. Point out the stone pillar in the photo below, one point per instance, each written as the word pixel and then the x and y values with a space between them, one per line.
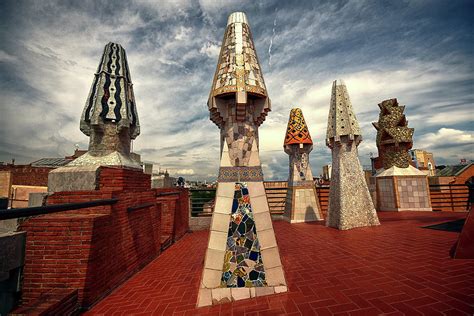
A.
pixel 350 204
pixel 110 119
pixel 400 186
pixel 302 204
pixel 242 258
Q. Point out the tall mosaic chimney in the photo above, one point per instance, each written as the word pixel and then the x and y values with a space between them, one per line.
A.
pixel 350 203
pixel 302 204
pixel 400 186
pixel 242 258
pixel 110 116
pixel 110 120
pixel 394 137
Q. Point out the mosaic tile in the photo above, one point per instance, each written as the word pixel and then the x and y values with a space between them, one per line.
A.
pixel 392 128
pixel 243 266
pixel 297 131
pixel 111 98
pixel 233 174
pixel 350 202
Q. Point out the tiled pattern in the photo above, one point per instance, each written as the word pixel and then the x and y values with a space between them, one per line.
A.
pixel 413 192
pixel 238 81
pixel 392 128
pixel 239 135
pixel 243 265
pixel 302 205
pixel 301 202
pixel 235 174
pixel 386 194
pixel 297 131
pixel 394 269
pixel 111 96
pixel 211 291
pixel 300 169
pixel 238 66
pixel 350 203
pixel 341 120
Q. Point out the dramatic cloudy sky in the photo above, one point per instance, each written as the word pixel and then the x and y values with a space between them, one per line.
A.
pixel 418 51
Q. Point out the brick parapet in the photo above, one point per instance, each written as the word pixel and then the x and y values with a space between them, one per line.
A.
pixel 95 249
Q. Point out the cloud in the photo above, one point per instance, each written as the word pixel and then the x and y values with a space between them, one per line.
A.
pixel 449 145
pixel 447 137
pixel 183 172
pixel 418 52
pixel 271 42
pixel 211 50
pixel 7 58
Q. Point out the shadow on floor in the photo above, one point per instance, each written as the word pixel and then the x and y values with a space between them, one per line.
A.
pixel 452 226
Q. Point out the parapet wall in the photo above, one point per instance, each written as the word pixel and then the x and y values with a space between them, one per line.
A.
pixel 95 249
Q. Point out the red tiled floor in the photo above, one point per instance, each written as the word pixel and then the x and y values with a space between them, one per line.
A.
pixel 397 268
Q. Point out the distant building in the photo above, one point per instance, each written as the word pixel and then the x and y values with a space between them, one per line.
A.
pixel 148 168
pixel 423 160
pixel 18 181
pixel 327 172
pixel 162 180
pixel 457 174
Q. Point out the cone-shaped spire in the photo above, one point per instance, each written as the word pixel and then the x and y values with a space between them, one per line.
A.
pixel 238 72
pixel 297 131
pixel 111 98
pixel 394 137
pixel 350 203
pixel 341 120
pixel 242 255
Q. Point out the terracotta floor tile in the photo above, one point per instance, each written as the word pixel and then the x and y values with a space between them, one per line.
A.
pixel 396 268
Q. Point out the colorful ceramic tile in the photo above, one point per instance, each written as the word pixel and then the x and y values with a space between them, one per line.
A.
pixel 111 98
pixel 243 266
pixel 297 131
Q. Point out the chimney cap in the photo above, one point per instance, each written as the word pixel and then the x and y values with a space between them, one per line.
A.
pixel 237 17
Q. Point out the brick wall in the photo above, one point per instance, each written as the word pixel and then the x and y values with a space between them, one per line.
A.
pixel 276 195
pixel 113 179
pixel 465 175
pixel 28 175
pixel 61 301
pixel 175 215
pixel 96 249
pixel 5 183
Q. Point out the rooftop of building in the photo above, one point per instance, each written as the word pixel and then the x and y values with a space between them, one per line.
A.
pixel 51 162
pixel 452 171
pixel 396 268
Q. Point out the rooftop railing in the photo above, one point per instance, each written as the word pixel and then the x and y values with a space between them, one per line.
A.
pixel 449 197
pixel 202 201
pixel 49 209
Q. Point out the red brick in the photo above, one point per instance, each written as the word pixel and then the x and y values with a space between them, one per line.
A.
pixel 96 249
pixel 377 262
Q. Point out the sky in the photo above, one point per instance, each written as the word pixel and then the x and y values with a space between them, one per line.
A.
pixel 420 52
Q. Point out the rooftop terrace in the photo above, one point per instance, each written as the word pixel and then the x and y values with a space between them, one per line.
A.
pixel 394 269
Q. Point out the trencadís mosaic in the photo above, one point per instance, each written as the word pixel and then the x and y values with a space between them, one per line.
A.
pixel 243 266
